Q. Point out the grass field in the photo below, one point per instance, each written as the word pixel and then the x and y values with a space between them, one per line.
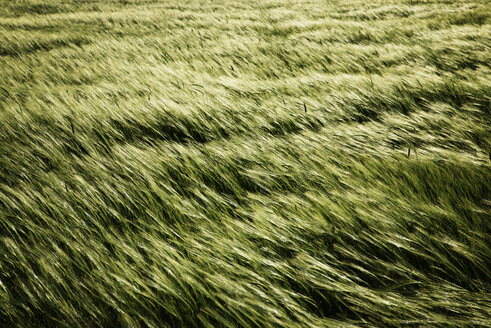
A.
pixel 283 163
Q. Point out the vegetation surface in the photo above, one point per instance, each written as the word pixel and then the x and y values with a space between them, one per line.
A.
pixel 284 163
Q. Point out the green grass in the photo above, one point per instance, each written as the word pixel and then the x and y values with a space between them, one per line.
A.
pixel 253 163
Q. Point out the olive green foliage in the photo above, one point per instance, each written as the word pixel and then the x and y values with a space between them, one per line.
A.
pixel 252 163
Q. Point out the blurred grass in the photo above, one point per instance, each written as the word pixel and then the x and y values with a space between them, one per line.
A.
pixel 245 163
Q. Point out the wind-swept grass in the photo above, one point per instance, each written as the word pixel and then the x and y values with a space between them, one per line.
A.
pixel 245 163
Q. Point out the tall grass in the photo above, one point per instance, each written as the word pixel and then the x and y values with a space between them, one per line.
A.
pixel 245 163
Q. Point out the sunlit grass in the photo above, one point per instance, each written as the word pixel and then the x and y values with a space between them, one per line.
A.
pixel 245 163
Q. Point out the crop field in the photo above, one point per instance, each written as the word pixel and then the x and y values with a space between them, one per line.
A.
pixel 245 163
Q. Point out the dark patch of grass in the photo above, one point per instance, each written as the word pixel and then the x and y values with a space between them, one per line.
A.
pixel 21 48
